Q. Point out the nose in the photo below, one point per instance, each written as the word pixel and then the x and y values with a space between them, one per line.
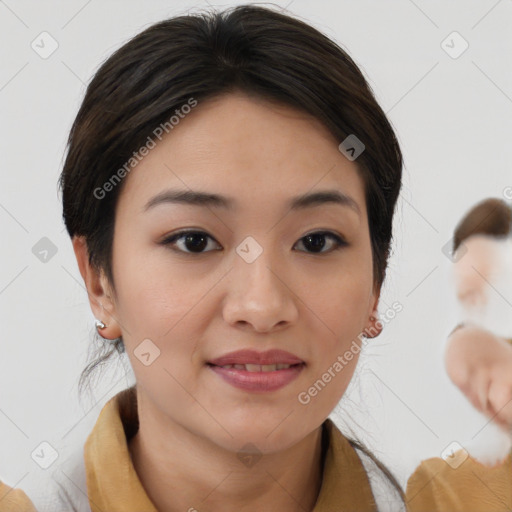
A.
pixel 259 295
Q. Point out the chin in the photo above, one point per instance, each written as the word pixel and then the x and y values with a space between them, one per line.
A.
pixel 269 434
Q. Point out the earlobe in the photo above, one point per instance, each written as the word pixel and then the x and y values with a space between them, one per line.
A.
pixel 98 289
pixel 375 326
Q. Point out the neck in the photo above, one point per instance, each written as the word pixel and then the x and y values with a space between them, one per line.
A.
pixel 183 472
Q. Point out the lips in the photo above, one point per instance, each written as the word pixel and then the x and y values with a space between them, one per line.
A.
pixel 258 372
pixel 256 367
pixel 254 361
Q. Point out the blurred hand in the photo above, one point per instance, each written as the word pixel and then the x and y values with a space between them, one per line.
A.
pixel 480 364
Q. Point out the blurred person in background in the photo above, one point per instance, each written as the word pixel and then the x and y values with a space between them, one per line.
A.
pixel 478 359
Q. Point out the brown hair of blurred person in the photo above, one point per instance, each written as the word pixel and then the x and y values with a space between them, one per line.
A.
pixel 491 216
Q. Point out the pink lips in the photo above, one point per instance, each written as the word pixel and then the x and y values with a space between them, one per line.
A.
pixel 253 357
pixel 263 381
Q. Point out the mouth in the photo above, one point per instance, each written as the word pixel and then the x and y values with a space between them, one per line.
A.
pixel 257 367
pixel 257 378
pixel 255 361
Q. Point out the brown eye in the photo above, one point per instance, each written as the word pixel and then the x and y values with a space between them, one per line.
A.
pixel 316 241
pixel 188 241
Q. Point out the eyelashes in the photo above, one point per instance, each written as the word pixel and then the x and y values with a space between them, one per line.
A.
pixel 188 236
pixel 199 240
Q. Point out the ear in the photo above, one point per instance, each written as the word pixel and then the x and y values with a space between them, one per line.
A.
pixel 374 325
pixel 98 289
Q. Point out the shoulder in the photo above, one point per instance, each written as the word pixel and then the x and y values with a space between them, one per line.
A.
pixel 460 483
pixel 14 499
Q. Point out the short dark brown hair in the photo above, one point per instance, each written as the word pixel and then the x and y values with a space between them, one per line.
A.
pixel 249 48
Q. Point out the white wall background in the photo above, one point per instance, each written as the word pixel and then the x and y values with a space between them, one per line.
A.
pixel 453 117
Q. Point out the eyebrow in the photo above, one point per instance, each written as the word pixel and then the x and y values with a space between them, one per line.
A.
pixel 204 199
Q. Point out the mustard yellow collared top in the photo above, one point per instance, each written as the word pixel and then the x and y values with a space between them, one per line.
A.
pixel 113 484
pixel 462 485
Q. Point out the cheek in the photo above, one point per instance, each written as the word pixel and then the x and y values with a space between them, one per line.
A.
pixel 353 292
pixel 149 284
pixel 159 303
pixel 343 306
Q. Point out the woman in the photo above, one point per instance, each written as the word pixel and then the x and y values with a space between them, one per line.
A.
pixel 478 359
pixel 229 189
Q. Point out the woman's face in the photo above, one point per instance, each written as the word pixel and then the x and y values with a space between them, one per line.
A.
pixel 249 281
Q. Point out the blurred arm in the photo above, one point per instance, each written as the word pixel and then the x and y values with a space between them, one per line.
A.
pixel 480 364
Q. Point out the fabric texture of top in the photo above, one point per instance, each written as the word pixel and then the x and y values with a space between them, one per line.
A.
pixel 460 484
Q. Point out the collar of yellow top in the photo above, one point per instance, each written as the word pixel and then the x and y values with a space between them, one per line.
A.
pixel 113 484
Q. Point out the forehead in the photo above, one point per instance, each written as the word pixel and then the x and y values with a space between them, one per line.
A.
pixel 483 245
pixel 251 150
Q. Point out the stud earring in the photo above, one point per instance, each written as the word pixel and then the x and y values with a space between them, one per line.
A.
pixel 118 342
pixel 100 325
